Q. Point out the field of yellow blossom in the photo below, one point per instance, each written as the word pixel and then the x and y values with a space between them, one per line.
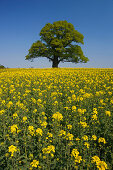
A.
pixel 60 119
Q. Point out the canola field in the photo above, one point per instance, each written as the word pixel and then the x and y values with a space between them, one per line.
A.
pixel 60 119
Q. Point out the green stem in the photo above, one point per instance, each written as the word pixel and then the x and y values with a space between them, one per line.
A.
pixel 25 144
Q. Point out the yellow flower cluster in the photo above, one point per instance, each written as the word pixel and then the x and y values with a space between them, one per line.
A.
pixel 57 116
pixel 10 104
pixel 86 144
pixel 85 137
pixel 15 115
pixel 14 129
pixel 81 111
pixel 75 154
pixel 12 149
pixel 34 163
pixel 108 113
pixel 2 112
pixel 73 108
pixel 24 118
pixel 101 165
pixel 83 124
pixel 94 114
pixel 69 126
pixel 31 130
pixel 44 124
pixel 102 140
pixel 49 150
pixel 39 131
pixel 50 135
pixel 69 136
pixel 62 132
pixel 94 137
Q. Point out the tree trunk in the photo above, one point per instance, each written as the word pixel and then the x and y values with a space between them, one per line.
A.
pixel 55 62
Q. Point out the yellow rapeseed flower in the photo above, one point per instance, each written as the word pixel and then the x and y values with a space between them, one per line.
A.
pixel 35 110
pixel 94 137
pixel 39 131
pixel 39 101
pixel 101 165
pixel 2 112
pixel 77 139
pixel 94 117
pixel 15 115
pixel 95 159
pixel 24 119
pixel 34 163
pixel 75 154
pixel 86 144
pixel 102 140
pixel 57 116
pixel 78 159
pixel 14 129
pixel 108 113
pixel 31 130
pixel 73 97
pixel 84 124
pixel 3 102
pixel 12 149
pixel 69 126
pixel 80 111
pixel 43 113
pixel 50 135
pixel 85 137
pixel 69 136
pixel 48 150
pixel 73 108
pixel 10 104
pixel 44 124
pixel 62 132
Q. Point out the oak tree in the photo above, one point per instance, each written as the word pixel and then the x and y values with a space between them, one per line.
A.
pixel 58 43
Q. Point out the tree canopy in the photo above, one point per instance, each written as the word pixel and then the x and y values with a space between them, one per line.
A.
pixel 58 43
pixel 1 66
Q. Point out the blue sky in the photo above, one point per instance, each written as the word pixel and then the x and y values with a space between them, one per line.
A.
pixel 22 20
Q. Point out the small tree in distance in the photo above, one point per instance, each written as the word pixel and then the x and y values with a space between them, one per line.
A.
pixel 57 44
pixel 1 66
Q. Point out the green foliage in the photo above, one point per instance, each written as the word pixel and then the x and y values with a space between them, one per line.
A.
pixel 1 66
pixel 58 46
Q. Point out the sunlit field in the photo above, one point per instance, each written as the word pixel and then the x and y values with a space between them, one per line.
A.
pixel 60 119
